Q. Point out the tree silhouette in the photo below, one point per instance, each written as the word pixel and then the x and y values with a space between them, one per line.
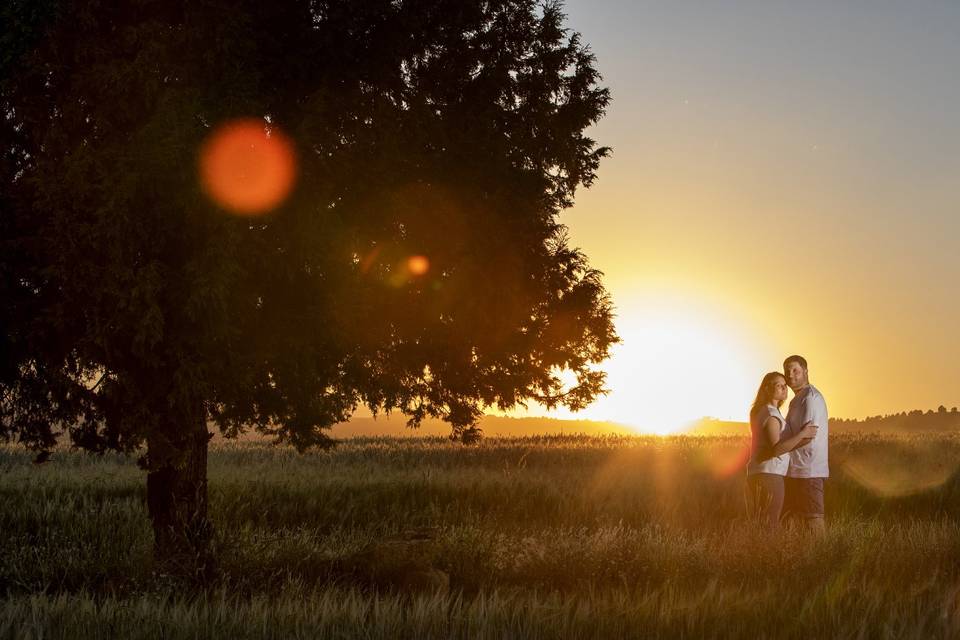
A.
pixel 138 311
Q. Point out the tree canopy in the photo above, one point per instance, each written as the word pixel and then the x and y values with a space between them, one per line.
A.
pixel 136 308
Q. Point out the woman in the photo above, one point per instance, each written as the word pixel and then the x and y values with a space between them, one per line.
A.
pixel 768 450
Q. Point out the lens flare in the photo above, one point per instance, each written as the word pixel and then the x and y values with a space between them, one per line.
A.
pixel 246 168
pixel 418 265
pixel 730 459
pixel 367 261
pixel 896 468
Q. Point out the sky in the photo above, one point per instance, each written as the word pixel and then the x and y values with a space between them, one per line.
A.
pixel 785 178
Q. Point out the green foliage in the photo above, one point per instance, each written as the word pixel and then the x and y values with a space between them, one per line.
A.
pixel 540 537
pixel 134 308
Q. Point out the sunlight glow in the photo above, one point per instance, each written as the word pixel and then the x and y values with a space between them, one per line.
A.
pixel 674 368
pixel 682 359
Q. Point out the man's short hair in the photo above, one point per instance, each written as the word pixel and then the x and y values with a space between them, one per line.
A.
pixel 799 359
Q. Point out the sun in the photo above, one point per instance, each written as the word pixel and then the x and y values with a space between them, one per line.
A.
pixel 678 365
pixel 682 358
pixel 679 361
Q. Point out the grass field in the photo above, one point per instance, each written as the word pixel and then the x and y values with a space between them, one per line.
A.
pixel 558 537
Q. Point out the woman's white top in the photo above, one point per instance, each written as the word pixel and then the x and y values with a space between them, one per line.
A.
pixel 761 445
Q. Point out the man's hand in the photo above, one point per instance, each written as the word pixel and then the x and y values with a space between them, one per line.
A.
pixel 809 432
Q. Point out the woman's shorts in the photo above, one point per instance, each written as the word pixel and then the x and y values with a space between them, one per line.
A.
pixel 765 498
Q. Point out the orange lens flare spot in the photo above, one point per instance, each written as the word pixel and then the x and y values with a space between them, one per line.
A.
pixel 728 461
pixel 418 265
pixel 247 169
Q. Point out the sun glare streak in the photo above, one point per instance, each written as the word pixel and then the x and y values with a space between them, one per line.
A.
pixel 246 168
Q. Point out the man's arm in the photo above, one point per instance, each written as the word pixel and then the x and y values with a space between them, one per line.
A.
pixel 814 412
pixel 801 438
pixel 779 446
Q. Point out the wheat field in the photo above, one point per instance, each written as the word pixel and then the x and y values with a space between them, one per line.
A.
pixel 536 537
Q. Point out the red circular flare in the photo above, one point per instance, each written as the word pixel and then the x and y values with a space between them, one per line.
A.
pixel 247 168
pixel 418 265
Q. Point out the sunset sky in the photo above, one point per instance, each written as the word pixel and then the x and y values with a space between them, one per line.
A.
pixel 785 179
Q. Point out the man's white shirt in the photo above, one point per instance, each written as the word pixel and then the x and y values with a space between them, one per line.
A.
pixel 810 460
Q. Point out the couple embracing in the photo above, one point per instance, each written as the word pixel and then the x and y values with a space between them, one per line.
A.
pixel 788 456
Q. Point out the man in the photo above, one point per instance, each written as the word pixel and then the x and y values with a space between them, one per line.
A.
pixel 808 468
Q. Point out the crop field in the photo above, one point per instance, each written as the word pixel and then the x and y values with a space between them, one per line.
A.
pixel 537 537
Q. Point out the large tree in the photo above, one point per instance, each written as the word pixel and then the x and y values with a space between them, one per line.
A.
pixel 137 312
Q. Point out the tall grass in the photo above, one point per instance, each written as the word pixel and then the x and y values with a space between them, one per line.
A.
pixel 540 537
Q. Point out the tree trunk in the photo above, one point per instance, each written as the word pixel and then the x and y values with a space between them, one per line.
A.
pixel 177 502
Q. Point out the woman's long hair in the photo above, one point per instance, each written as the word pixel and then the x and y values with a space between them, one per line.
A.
pixel 765 393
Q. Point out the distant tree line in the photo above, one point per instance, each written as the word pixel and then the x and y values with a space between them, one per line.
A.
pixel 941 419
pixel 917 421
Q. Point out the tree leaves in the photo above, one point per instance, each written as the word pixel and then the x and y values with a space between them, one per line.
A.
pixel 450 130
